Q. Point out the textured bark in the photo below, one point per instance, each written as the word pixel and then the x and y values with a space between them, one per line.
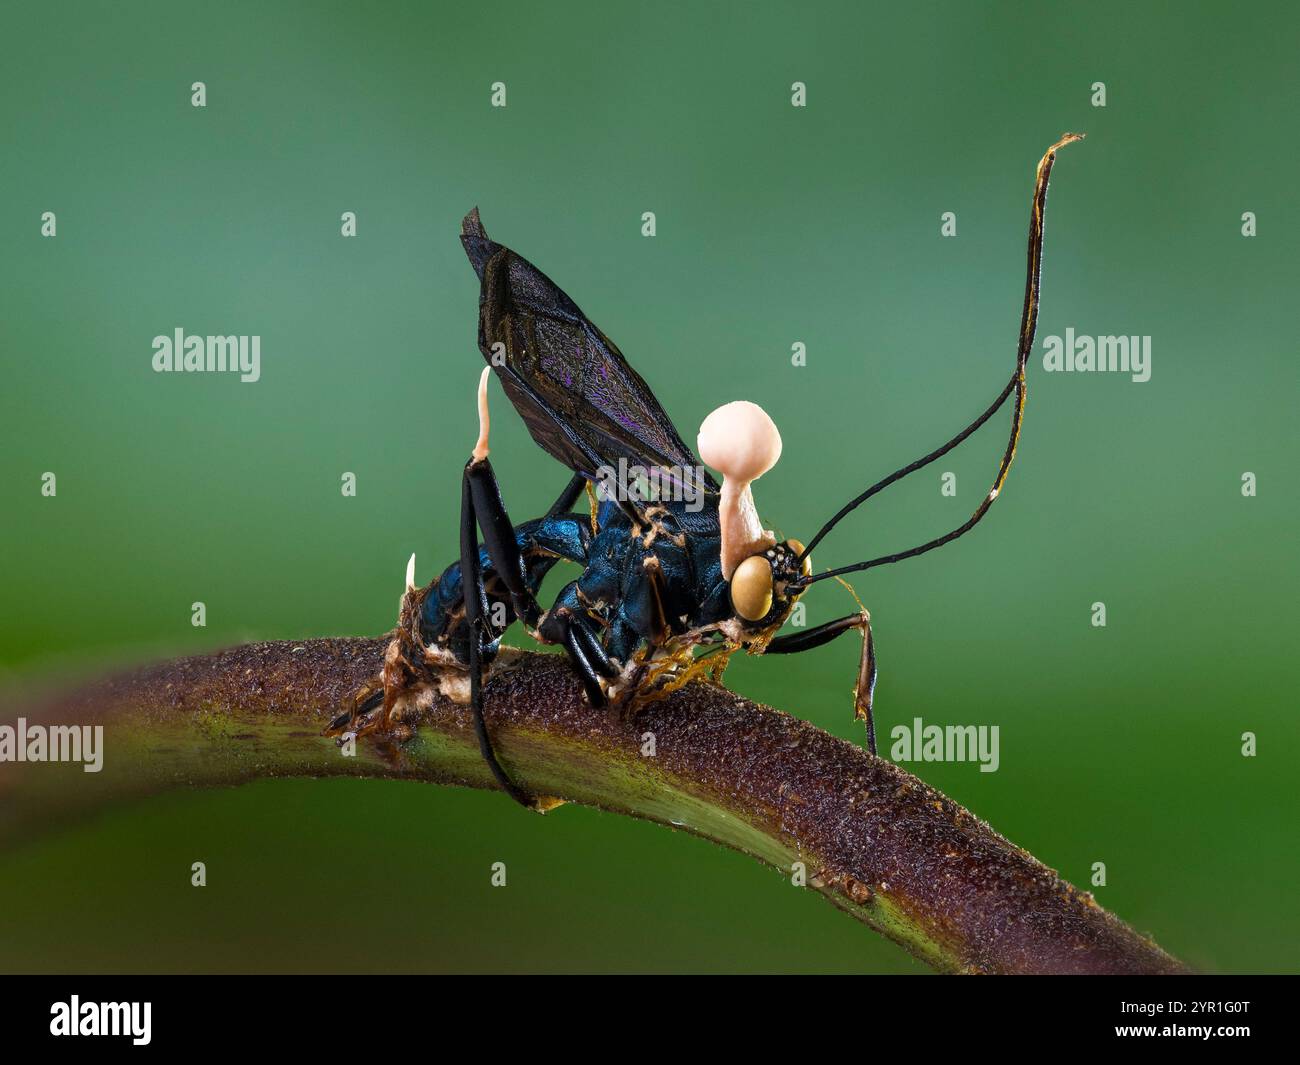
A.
pixel 876 841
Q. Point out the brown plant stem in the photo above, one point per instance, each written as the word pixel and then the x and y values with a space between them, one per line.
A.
pixel 874 840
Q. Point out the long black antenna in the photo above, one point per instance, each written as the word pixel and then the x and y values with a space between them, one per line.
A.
pixel 1028 326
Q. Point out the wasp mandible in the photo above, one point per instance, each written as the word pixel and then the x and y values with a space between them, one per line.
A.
pixel 676 575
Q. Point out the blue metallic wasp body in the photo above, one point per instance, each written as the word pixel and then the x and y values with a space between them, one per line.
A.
pixel 639 585
pixel 673 580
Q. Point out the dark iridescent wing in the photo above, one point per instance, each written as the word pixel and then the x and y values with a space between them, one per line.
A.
pixel 578 396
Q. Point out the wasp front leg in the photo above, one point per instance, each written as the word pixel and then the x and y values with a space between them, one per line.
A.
pixel 864 693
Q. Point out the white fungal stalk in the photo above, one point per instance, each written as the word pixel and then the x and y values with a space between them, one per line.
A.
pixel 484 423
pixel 742 443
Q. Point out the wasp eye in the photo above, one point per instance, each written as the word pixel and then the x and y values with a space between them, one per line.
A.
pixel 796 549
pixel 751 588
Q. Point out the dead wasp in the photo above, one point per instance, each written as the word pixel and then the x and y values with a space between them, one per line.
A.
pixel 678 572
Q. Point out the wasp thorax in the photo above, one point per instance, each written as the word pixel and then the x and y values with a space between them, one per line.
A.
pixel 741 442
pixel 751 588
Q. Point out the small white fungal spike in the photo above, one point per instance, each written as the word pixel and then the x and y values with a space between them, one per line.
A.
pixel 742 443
pixel 481 448
pixel 410 573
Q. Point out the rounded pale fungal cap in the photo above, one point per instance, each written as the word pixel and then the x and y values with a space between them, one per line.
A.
pixel 740 441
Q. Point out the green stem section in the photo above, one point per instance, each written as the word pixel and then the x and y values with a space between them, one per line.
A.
pixel 874 840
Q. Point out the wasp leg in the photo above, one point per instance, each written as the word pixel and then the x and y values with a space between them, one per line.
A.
pixel 357 717
pixel 476 608
pixel 480 725
pixel 864 693
pixel 579 655
pixel 576 486
pixel 567 624
pixel 499 538
pixel 350 718
pixel 587 641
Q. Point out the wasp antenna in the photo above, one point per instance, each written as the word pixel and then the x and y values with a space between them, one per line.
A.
pixel 1066 138
pixel 481 448
pixel 1016 386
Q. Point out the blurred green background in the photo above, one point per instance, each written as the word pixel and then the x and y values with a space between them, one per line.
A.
pixel 775 225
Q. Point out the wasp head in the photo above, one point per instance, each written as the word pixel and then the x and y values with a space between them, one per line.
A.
pixel 764 586
pixel 742 443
